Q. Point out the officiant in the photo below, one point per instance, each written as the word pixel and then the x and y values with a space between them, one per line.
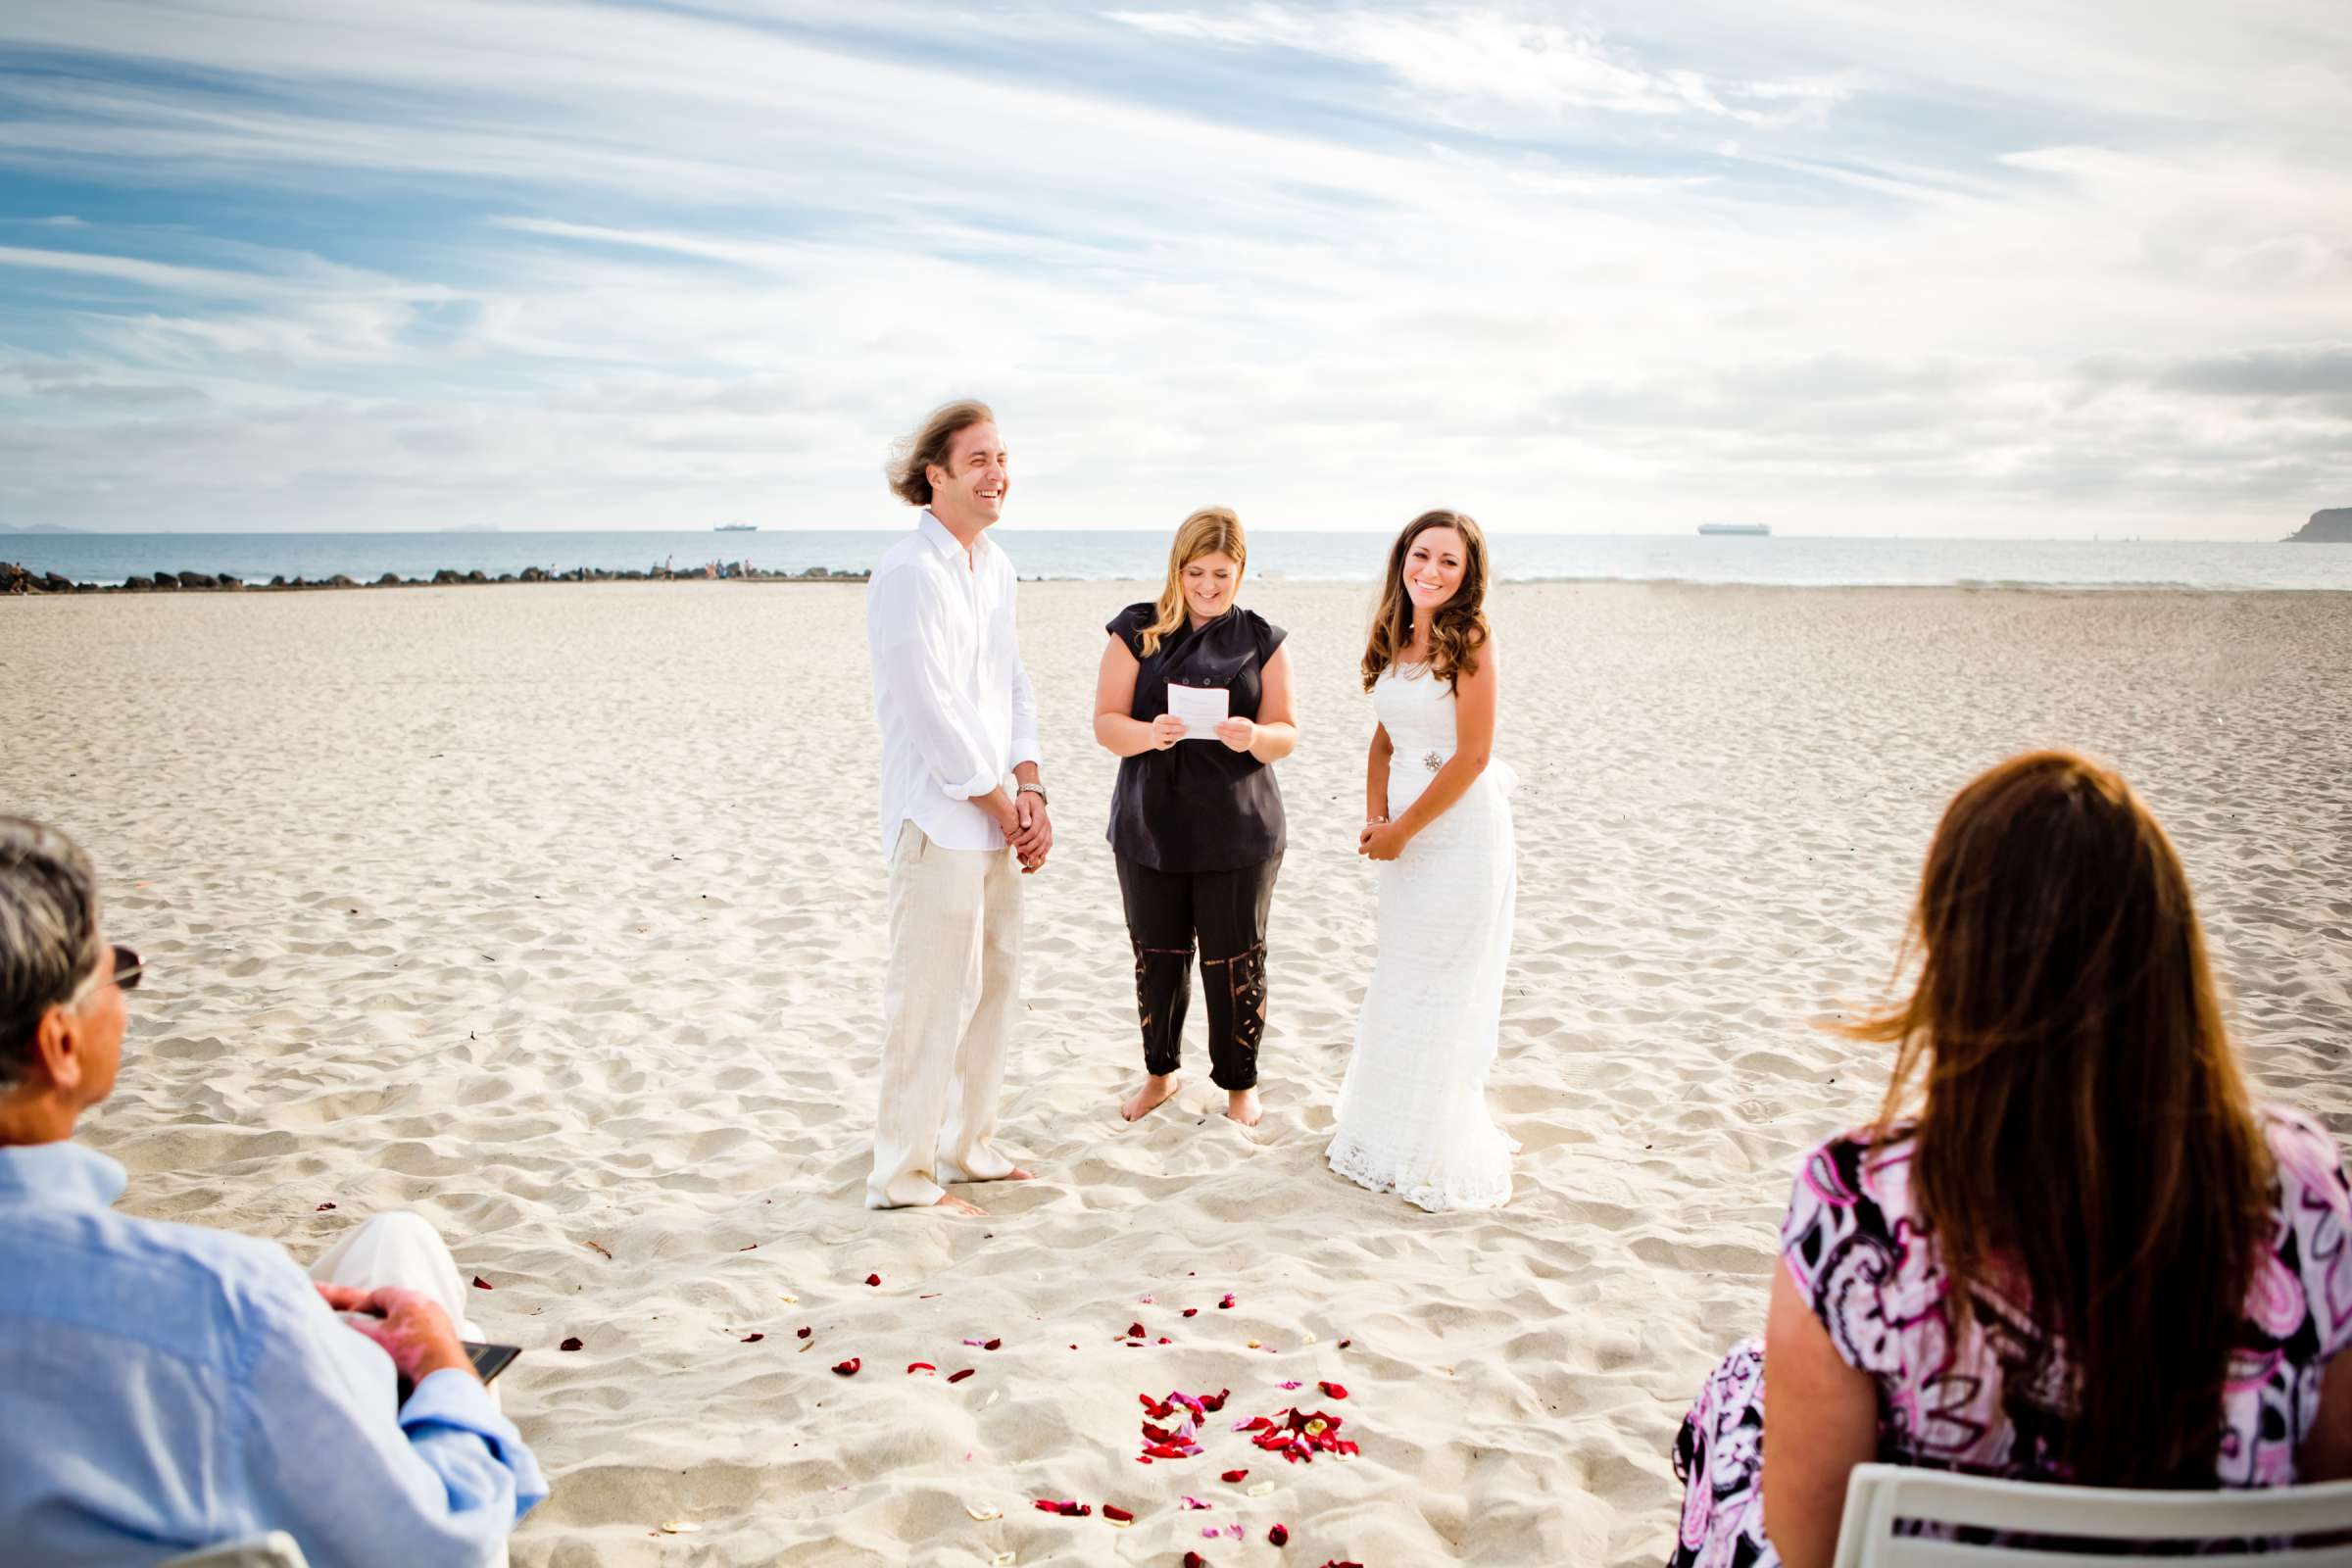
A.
pixel 1195 697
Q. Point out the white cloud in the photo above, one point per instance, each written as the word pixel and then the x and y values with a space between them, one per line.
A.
pixel 727 258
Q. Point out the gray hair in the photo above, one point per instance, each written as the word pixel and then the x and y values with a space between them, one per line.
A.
pixel 48 931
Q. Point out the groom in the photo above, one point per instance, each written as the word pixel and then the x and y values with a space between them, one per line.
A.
pixel 963 816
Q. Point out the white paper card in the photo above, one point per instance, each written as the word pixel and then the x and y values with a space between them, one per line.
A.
pixel 1202 708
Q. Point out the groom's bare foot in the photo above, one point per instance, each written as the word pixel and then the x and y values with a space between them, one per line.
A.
pixel 1241 1105
pixel 1156 1093
pixel 956 1206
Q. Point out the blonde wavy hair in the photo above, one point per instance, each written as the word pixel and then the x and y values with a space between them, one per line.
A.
pixel 1210 531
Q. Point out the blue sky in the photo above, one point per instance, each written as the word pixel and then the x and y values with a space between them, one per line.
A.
pixel 2035 270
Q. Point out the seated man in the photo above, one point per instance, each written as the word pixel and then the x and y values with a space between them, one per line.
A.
pixel 165 1386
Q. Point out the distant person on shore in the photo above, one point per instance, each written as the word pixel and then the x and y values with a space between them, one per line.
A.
pixel 165 1388
pixel 963 814
pixel 1196 829
pixel 2070 1247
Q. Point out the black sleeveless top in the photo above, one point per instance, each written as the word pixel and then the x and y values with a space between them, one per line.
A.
pixel 1200 806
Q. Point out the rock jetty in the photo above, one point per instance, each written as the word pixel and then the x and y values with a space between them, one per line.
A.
pixel 24 581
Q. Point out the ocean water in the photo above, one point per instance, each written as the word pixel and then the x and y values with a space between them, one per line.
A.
pixel 1785 560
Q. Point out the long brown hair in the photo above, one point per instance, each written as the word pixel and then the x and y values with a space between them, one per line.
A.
pixel 1210 531
pixel 1458 629
pixel 911 458
pixel 2078 1114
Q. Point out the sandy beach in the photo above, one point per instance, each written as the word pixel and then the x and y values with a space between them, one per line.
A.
pixel 555 913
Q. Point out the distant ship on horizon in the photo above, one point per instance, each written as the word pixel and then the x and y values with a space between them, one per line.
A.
pixel 737 527
pixel 1753 530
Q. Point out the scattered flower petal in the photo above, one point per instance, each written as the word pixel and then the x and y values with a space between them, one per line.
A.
pixel 913 1367
pixel 1233 1476
pixel 974 1343
pixel 1192 1502
pixel 1191 1312
pixel 323 1208
pixel 993 1345
pixel 751 1339
pixel 849 1368
pixel 1226 1302
pixel 1293 1384
pixel 1135 1331
pixel 481 1284
pixel 1333 1391
pixel 804 1334
pixel 983 1511
pixel 571 1345
pixel 1117 1515
pixel 1145 1299
pixel 1344 1344
pixel 1278 1535
pixel 1193 1559
pixel 873 1279
pixel 958 1377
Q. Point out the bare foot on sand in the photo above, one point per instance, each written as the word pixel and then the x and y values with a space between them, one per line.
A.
pixel 1156 1093
pixel 956 1206
pixel 1241 1105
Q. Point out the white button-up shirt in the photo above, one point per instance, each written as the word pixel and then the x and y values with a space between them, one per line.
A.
pixel 952 700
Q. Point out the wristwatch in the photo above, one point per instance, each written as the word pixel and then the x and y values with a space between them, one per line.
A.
pixel 1038 790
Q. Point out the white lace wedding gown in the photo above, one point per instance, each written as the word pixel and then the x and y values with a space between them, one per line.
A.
pixel 1413 1116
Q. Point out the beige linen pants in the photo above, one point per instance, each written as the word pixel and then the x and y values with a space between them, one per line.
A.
pixel 947 1007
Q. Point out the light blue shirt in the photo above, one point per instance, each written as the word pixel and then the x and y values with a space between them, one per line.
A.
pixel 166 1386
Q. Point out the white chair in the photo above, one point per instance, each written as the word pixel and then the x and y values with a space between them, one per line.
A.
pixel 1879 1495
pixel 277 1549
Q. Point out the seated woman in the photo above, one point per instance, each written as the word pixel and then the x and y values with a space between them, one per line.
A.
pixel 2069 1248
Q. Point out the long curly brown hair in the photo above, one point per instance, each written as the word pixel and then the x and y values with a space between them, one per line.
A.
pixel 1458 629
pixel 2079 1115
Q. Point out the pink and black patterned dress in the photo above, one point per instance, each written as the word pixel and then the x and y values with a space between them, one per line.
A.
pixel 1858 1252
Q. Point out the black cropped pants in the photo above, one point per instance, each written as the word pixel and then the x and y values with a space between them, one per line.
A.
pixel 1225 914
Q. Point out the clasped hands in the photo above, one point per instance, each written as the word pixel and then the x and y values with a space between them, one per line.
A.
pixel 1029 829
pixel 410 1325
pixel 1382 839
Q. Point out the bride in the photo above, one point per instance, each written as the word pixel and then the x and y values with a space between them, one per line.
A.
pixel 1413 1116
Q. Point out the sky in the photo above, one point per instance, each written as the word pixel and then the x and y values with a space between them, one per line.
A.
pixel 1843 266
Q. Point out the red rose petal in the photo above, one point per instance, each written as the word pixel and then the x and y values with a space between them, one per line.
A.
pixel 1333 1391
pixel 1213 1402
pixel 873 1279
pixel 1193 1559
pixel 571 1345
pixel 1278 1535
pixel 993 1345
pixel 1135 1331
pixel 1111 1510
pixel 913 1367
pixel 480 1284
pixel 1046 1505
pixel 751 1339
pixel 1344 1344
pixel 323 1208
pixel 1164 1340
pixel 1233 1476
pixel 804 1334
pixel 1191 1312
pixel 849 1368
pixel 958 1377
pixel 1228 1301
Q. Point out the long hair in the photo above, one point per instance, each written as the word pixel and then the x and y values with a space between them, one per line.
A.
pixel 2078 1114
pixel 912 457
pixel 1458 629
pixel 1210 531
